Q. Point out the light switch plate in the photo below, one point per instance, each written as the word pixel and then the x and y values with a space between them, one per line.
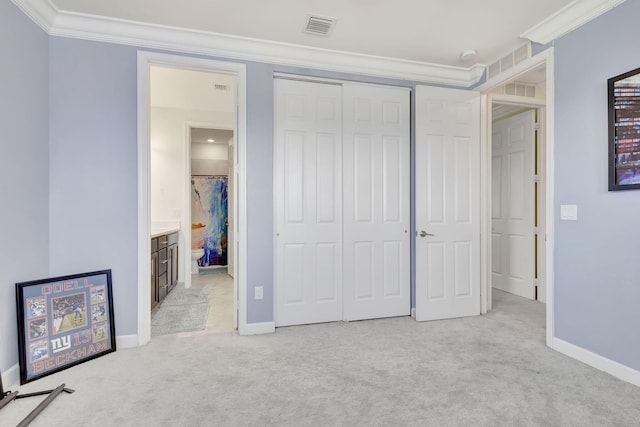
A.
pixel 569 212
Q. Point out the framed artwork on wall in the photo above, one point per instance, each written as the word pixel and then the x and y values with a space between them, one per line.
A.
pixel 63 321
pixel 624 131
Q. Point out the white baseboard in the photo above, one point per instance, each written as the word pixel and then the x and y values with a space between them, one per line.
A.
pixel 257 328
pixel 126 341
pixel 413 313
pixel 11 377
pixel 616 369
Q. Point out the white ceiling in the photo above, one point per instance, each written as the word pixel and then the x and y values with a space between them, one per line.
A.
pixel 427 31
pixel 219 136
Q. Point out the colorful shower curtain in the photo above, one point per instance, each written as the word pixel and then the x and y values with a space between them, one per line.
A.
pixel 209 218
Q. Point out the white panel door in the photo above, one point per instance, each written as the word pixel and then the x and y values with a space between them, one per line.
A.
pixel 308 162
pixel 231 212
pixel 512 207
pixel 376 189
pixel 447 203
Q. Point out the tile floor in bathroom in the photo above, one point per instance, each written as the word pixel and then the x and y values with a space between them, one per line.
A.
pixel 220 319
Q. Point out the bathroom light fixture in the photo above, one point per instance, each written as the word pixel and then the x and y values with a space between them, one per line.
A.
pixel 211 140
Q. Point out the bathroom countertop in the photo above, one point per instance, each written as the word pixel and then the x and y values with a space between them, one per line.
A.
pixel 161 231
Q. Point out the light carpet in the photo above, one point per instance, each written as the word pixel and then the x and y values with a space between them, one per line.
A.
pixel 183 310
pixel 492 370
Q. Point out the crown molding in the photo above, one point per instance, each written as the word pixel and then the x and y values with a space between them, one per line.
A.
pixel 42 12
pixel 110 30
pixel 567 19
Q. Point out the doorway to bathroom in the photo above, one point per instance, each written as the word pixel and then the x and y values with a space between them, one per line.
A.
pixel 182 99
pixel 210 204
pixel 211 211
pixel 191 133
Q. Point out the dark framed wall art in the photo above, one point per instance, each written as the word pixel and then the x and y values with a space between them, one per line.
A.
pixel 624 131
pixel 63 321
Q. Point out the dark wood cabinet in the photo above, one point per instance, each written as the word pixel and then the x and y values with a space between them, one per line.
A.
pixel 154 279
pixel 164 266
pixel 172 260
pixel 163 283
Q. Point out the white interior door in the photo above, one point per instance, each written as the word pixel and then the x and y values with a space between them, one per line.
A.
pixel 308 162
pixel 512 205
pixel 376 201
pixel 231 188
pixel 447 203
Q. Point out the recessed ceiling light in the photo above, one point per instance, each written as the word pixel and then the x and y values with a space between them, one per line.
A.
pixel 211 140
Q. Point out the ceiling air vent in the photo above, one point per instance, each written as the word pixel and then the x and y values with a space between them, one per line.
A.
pixel 520 89
pixel 508 61
pixel 319 25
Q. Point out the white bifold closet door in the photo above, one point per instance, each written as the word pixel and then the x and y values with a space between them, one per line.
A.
pixel 308 190
pixel 342 202
pixel 376 202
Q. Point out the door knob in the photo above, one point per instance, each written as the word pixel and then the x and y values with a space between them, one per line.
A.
pixel 425 234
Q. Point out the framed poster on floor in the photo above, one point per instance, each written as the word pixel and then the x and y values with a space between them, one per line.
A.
pixel 63 321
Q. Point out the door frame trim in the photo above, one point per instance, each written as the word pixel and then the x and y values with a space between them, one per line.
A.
pixel 144 61
pixel 544 58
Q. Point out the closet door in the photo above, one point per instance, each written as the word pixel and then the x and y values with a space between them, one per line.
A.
pixel 447 208
pixel 308 178
pixel 376 189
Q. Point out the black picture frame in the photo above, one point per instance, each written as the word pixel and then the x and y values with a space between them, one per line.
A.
pixel 624 131
pixel 64 321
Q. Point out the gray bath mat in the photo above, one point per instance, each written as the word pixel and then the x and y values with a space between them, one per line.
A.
pixel 181 296
pixel 183 310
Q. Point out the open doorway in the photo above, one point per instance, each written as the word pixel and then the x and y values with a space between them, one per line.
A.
pixel 518 185
pixel 210 207
pixel 516 172
pixel 164 163
pixel 211 213
pixel 192 125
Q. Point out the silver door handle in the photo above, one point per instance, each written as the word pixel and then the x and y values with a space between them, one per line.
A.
pixel 425 234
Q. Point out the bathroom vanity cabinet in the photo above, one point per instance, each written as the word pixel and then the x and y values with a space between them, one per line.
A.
pixel 164 266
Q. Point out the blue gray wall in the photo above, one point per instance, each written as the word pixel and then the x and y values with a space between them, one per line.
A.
pixel 259 191
pixel 24 165
pixel 597 273
pixel 93 192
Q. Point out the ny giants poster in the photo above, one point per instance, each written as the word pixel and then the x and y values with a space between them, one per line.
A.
pixel 63 321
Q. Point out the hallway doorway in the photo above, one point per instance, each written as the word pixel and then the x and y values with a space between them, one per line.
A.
pixel 527 86
pixel 515 200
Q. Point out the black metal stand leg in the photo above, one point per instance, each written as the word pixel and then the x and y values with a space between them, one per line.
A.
pixel 43 392
pixel 41 406
pixel 8 398
pixel 5 398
